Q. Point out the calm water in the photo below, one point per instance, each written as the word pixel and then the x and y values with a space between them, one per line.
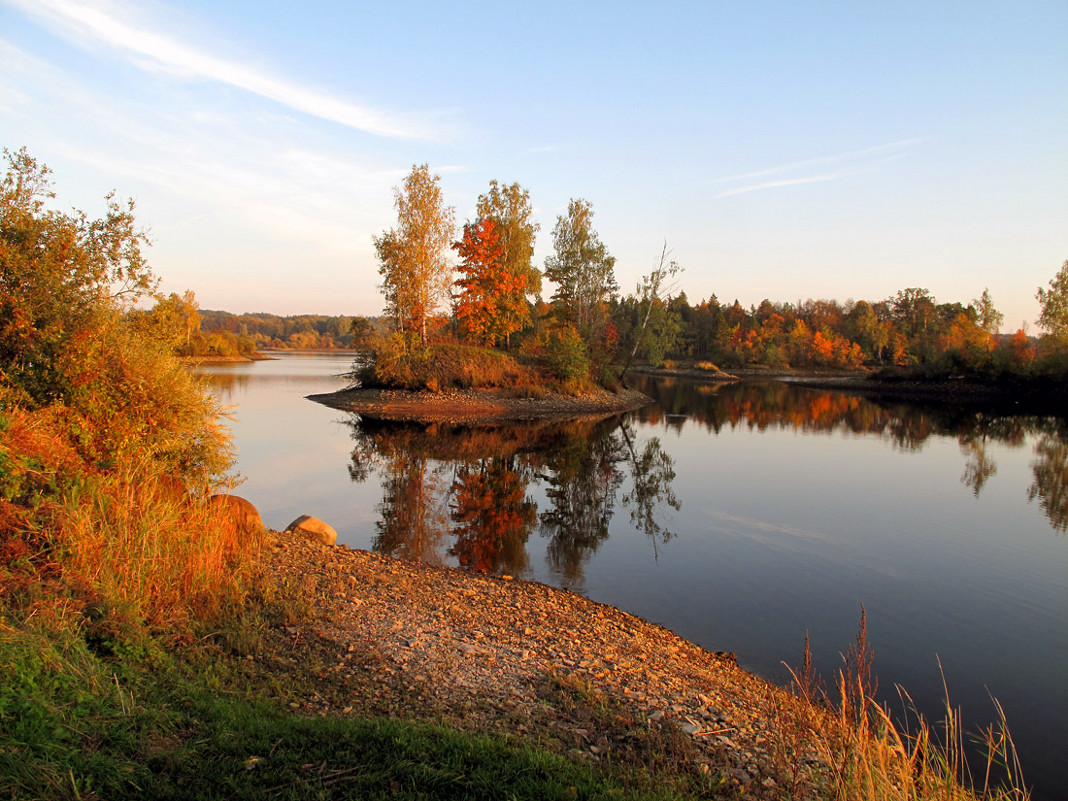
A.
pixel 739 516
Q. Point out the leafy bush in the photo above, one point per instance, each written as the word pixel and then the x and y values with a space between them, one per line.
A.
pixel 566 354
pixel 107 443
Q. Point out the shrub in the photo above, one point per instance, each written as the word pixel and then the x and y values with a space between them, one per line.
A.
pixel 439 367
pixel 106 442
pixel 566 354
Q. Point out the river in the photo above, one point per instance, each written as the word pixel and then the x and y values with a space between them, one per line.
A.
pixel 739 516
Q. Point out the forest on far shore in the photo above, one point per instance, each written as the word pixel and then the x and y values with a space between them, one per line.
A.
pixel 910 329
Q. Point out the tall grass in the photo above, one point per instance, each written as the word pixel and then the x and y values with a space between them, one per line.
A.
pixel 872 757
pixel 152 555
pixel 442 366
pixel 126 543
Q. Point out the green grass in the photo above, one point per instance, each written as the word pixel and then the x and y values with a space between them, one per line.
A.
pixel 140 723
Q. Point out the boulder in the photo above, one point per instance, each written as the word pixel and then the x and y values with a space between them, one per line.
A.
pixel 314 528
pixel 240 511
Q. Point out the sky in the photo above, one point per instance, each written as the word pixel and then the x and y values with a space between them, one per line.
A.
pixel 781 150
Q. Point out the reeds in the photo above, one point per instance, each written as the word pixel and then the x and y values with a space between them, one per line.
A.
pixel 871 757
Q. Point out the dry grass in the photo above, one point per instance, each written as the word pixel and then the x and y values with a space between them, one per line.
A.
pixel 870 757
pixel 443 366
pixel 879 760
pixel 127 546
pixel 153 555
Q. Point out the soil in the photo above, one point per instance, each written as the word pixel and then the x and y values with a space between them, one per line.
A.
pixel 524 660
pixel 480 405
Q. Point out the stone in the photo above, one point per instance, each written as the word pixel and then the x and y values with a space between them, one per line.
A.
pixel 314 528
pixel 243 514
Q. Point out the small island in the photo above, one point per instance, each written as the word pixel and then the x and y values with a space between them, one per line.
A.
pixel 479 406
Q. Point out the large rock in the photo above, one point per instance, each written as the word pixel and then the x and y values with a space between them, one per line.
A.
pixel 314 528
pixel 240 511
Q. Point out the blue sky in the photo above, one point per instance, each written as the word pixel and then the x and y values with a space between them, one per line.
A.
pixel 787 150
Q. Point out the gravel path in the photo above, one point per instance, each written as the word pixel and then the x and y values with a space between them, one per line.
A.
pixel 488 653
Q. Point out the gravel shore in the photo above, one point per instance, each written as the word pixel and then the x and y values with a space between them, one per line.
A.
pixel 519 658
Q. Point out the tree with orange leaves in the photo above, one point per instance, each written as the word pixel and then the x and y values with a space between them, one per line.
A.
pixel 491 299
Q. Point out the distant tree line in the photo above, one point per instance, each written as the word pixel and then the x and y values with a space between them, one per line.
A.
pixel 587 328
pixel 909 329
pixel 299 331
pixel 197 332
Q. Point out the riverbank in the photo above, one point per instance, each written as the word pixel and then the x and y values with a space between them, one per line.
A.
pixel 472 406
pixel 1009 395
pixel 209 360
pixel 522 659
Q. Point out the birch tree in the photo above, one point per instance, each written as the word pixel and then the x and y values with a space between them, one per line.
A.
pixel 582 270
pixel 655 288
pixel 1054 303
pixel 413 257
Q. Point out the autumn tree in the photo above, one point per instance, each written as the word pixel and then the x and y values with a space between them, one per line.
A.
pixel 176 318
pixel 491 303
pixel 915 314
pixel 864 326
pixel 71 350
pixel 1054 303
pixel 62 278
pixel 413 257
pixel 510 210
pixel 583 272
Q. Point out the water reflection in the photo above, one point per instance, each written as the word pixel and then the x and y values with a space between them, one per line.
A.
pixel 477 494
pixel 468 492
pixel 908 426
pixel 1050 486
pixel 413 513
pixel 493 515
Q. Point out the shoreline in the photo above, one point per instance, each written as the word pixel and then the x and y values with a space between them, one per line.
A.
pixel 198 360
pixel 492 654
pixel 1034 395
pixel 479 406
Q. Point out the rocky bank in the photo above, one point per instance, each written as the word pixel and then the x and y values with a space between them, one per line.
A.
pixel 519 658
pixel 475 406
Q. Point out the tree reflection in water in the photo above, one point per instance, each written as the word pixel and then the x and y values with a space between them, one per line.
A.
pixel 469 493
pixel 493 515
pixel 1050 486
pixel 652 473
pixel 413 512
pixel 462 492
pixel 907 426
pixel 583 478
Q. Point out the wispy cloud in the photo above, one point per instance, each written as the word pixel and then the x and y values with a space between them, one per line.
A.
pixel 531 151
pixel 832 167
pixel 92 22
pixel 741 190
pixel 278 182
